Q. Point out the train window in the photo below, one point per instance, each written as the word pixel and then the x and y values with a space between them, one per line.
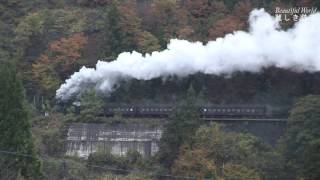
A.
pixel 228 110
pixel 205 110
pixel 223 110
pixel 219 110
pixel 213 110
pixel 238 110
pixel 253 110
pixel 131 109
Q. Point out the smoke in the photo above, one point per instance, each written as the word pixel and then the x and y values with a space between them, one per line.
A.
pixel 262 46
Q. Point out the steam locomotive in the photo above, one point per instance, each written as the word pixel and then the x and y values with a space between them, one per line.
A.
pixel 210 111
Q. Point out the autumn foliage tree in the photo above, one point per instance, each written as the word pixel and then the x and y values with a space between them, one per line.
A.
pixel 164 19
pixel 59 61
pixel 225 26
pixel 147 43
pixel 124 31
pixel 237 20
pixel 218 154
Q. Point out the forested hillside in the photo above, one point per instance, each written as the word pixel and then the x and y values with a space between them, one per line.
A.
pixel 51 40
pixel 43 42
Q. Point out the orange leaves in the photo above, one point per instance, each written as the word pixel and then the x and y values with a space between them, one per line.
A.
pixel 147 43
pixel 224 26
pixel 67 50
pixel 64 53
pixel 198 8
pixel 195 163
pixel 233 22
pixel 43 72
pixel 165 18
pixel 58 61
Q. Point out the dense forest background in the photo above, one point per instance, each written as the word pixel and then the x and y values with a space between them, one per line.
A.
pixel 46 41
pixel 52 39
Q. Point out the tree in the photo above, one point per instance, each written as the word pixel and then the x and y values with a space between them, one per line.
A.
pixel 65 53
pixel 38 29
pixel 60 60
pixel 164 19
pixel 15 128
pixel 43 72
pixel 147 43
pixel 180 129
pixel 195 162
pixel 234 21
pixel 227 155
pixel 302 140
pixel 122 28
pixel 239 172
pixel 91 107
pixel 202 13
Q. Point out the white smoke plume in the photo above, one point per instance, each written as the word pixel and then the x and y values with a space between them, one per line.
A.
pixel 262 46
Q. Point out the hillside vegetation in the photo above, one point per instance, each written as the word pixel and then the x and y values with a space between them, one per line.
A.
pixel 43 42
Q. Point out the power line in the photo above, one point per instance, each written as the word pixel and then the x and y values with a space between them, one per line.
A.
pixel 17 154
pixel 93 165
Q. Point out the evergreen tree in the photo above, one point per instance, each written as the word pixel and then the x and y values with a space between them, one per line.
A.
pixel 302 140
pixel 180 129
pixel 15 129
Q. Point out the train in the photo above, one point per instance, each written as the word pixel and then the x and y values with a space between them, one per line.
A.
pixel 208 111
